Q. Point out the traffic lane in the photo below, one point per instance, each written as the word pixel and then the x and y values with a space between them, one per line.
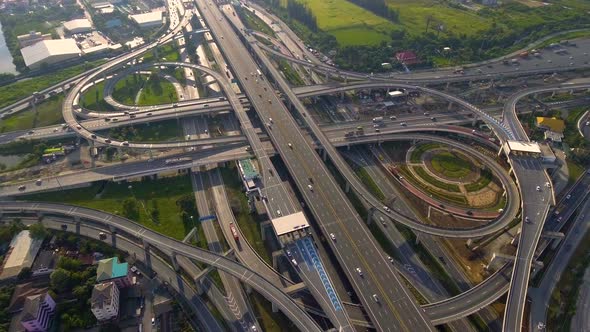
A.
pixel 276 115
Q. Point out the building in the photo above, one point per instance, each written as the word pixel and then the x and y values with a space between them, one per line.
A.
pixel 519 148
pixel 553 127
pixel 104 302
pixel 407 57
pixel 20 294
pixel 22 251
pixel 148 20
pixel 32 38
pixel 248 172
pixel 111 270
pixel 78 26
pixel 37 313
pixel 49 52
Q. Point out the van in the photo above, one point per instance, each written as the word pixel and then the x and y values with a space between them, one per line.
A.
pixel 375 298
pixel 294 262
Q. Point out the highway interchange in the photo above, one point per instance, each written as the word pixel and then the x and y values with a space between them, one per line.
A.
pixel 390 307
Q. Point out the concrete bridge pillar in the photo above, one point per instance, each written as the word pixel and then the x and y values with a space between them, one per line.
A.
pixel 342 96
pixel 174 261
pixel 448 85
pixel 450 106
pixel 274 308
pixel 552 93
pixel 326 75
pixel 324 155
pixel 370 213
pixel 516 238
pixel 263 226
pixel 345 79
pixel 347 187
pixel 146 244
pixel 348 147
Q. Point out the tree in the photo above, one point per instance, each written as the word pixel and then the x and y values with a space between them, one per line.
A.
pixel 60 280
pixel 155 212
pixel 70 264
pixel 130 208
pixel 37 231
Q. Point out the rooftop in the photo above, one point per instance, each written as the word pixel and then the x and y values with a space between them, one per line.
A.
pixel 247 168
pixel 145 18
pixel 22 252
pixel 47 48
pixel 110 268
pixel 102 295
pixel 290 223
pixel 80 23
pixel 553 124
pixel 520 146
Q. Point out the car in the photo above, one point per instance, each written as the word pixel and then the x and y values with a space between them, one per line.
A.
pixel 78 127
pixel 393 117
pixel 290 145
pixel 332 236
pixel 538 188
pixel 310 187
pixel 107 140
pixel 386 208
pixel 289 253
pixel 390 259
pixel 102 235
pixel 31 132
pixel 22 188
pixel 432 118
pixel 39 182
pixel 153 321
pixel 527 220
pixel 93 136
pixel 375 298
pixel 568 196
pixel 377 130
pixel 359 271
pixel 279 213
pixel 547 184
pixel 403 124
pixel 294 262
pixel 124 143
pixel 559 219
pixel 107 119
pixel 148 114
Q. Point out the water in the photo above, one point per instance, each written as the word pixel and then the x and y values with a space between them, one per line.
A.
pixel 6 65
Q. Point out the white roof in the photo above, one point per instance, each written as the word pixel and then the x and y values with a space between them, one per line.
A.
pixel 47 48
pixel 151 17
pixel 523 146
pixel 81 23
pixel 395 93
pixel 22 253
pixel 289 223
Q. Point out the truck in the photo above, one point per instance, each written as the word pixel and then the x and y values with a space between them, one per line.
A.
pixel 378 119
pixel 234 232
pixel 258 72
pixel 349 134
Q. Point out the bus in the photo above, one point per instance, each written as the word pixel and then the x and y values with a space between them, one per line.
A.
pixel 234 232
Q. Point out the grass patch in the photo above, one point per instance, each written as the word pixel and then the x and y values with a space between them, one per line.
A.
pixel 269 321
pixel 447 197
pixel 249 225
pixel 565 36
pixel 349 23
pixel 93 98
pixel 562 306
pixel 167 130
pixel 163 193
pixel 48 113
pixel 168 52
pixel 575 171
pixel 251 21
pixel 416 156
pixel 450 165
pixel 484 180
pixel 435 182
pixel 290 74
pixel 370 183
pixel 13 92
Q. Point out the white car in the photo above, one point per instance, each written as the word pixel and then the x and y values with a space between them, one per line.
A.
pixel 538 188
pixel 310 187
pixel 332 236
pixel 375 298
pixel 386 208
pixel 358 270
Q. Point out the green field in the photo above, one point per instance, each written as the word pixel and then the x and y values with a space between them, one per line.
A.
pixel 15 91
pixel 450 165
pixel 167 130
pixel 93 99
pixel 48 113
pixel 349 23
pixel 165 192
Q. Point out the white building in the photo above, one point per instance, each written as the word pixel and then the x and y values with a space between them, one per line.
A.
pixel 49 52
pixel 78 26
pixel 148 20
pixel 21 253
pixel 104 302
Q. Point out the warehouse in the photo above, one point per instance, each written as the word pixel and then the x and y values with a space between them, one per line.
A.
pixel 148 20
pixel 49 52
pixel 21 253
pixel 78 26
